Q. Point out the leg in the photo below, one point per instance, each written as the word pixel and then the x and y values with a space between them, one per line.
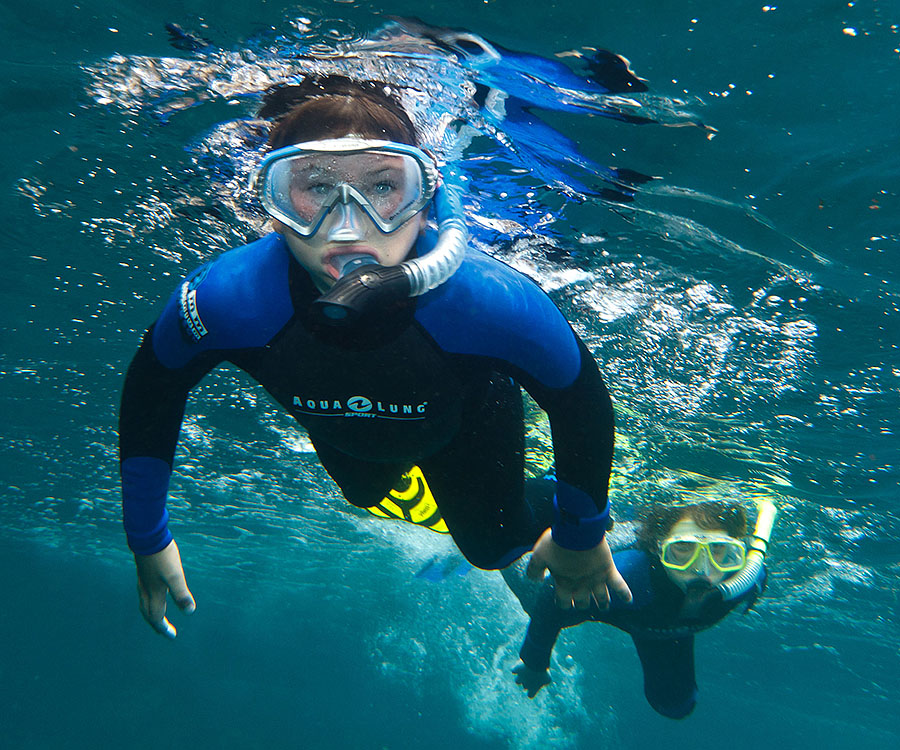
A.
pixel 363 483
pixel 669 681
pixel 478 481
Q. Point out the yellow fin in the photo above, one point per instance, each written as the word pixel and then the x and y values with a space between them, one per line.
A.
pixel 411 501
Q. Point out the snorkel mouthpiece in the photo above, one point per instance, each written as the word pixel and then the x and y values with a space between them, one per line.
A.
pixel 364 287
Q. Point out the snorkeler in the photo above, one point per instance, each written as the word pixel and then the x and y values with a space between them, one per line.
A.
pixel 689 569
pixel 392 345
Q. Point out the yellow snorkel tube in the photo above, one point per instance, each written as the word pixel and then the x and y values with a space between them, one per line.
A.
pixel 742 581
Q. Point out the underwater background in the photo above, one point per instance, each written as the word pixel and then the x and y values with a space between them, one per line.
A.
pixel 743 305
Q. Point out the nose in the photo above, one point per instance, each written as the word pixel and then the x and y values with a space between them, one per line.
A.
pixel 345 223
pixel 701 565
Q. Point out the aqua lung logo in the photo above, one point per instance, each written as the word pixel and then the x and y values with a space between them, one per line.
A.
pixel 359 406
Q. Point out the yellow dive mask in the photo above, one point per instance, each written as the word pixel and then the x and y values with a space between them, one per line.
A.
pixel 726 553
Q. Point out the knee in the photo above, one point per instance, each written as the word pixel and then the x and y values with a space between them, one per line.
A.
pixel 674 711
pixel 670 706
pixel 487 559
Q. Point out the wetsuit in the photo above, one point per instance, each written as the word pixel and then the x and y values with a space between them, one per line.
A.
pixel 661 620
pixel 432 381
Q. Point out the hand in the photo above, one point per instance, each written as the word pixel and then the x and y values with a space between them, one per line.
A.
pixel 579 576
pixel 530 679
pixel 158 575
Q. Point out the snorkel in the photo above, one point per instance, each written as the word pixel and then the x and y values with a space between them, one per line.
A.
pixel 365 285
pixel 741 582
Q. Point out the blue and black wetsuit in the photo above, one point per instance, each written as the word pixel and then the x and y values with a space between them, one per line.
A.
pixel 432 381
pixel 661 620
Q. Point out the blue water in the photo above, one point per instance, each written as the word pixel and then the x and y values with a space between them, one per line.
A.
pixel 744 308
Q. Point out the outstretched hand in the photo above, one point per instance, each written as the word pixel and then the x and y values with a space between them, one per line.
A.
pixel 578 575
pixel 530 679
pixel 158 575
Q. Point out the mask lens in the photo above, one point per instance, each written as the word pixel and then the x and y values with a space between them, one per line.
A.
pixel 389 187
pixel 726 555
pixel 679 554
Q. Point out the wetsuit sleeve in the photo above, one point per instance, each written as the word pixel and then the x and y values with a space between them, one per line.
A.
pixel 489 310
pixel 581 420
pixel 173 356
pixel 543 630
pixel 152 408
pixel 238 302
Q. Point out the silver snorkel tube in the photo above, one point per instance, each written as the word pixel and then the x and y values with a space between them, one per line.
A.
pixel 742 581
pixel 365 285
pixel 438 265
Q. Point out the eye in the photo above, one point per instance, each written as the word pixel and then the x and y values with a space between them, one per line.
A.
pixel 725 553
pixel 385 187
pixel 314 183
pixel 319 188
pixel 681 551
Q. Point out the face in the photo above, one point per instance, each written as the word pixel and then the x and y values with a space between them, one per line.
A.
pixel 388 184
pixel 701 570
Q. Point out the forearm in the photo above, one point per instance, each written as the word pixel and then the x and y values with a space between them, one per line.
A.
pixel 543 630
pixel 581 418
pixel 152 407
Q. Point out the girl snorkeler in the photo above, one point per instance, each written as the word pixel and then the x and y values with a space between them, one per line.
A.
pixel 393 345
pixel 688 570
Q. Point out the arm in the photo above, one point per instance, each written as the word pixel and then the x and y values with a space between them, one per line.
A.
pixel 575 549
pixel 486 309
pixel 543 630
pixel 239 301
pixel 152 408
pixel 150 416
pixel 153 401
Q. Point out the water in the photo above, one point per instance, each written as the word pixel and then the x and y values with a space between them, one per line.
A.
pixel 744 308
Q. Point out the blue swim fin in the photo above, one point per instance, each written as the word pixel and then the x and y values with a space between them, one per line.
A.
pixel 437 569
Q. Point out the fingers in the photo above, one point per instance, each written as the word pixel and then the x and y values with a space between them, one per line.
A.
pixel 600 594
pixel 159 575
pixel 572 592
pixel 619 586
pixel 181 594
pixel 535 568
pixel 152 604
pixel 164 628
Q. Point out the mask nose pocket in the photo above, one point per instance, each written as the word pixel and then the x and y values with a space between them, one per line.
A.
pixel 345 223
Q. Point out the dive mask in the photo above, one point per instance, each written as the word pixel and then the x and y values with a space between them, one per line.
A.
pixel 725 553
pixel 390 182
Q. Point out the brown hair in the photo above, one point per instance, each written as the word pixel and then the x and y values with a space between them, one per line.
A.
pixel 332 107
pixel 659 520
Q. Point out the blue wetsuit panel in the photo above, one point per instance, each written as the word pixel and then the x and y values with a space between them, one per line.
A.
pixel 489 309
pixel 219 306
